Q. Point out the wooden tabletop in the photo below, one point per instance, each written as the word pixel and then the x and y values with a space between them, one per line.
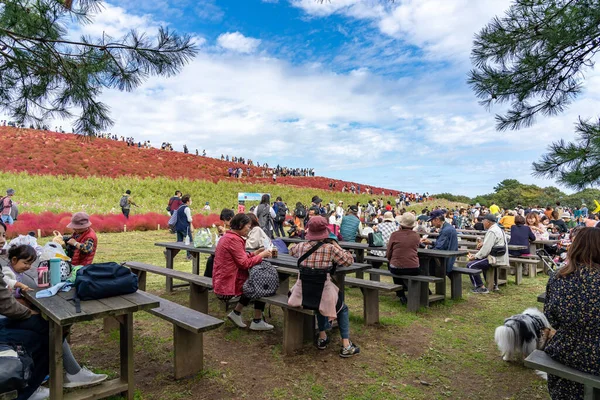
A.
pixel 62 311
pixel 190 247
pixel 286 260
pixel 365 246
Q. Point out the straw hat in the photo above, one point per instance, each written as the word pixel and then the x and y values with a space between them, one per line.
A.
pixel 407 220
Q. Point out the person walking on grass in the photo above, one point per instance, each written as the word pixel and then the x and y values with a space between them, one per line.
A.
pixel 126 202
pixel 7 205
pixel 174 202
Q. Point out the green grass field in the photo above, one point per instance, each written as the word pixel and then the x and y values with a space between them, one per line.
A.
pixel 444 352
pixel 99 195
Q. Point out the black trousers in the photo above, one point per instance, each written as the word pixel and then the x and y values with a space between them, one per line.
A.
pixel 399 281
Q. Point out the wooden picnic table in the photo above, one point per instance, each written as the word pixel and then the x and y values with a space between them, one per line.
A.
pixel 425 255
pixel 283 260
pixel 173 248
pixel 539 244
pixel 288 261
pixel 475 232
pixel 61 313
pixel 473 244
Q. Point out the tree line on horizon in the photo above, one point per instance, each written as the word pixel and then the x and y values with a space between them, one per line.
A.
pixel 510 193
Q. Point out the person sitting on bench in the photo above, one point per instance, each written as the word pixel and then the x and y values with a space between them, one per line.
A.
pixel 494 239
pixel 572 308
pixel 321 252
pixel 230 272
pixel 402 255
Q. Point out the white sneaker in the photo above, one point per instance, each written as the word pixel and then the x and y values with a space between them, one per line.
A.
pixel 41 393
pixel 237 319
pixel 261 326
pixel 85 377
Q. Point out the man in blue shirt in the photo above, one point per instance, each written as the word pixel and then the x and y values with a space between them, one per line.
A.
pixel 447 240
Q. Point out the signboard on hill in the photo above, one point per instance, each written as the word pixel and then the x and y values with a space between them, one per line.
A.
pixel 251 196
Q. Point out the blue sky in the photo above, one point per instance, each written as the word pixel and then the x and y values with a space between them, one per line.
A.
pixel 364 90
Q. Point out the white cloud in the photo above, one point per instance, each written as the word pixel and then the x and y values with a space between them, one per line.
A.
pixel 361 124
pixel 442 28
pixel 235 41
pixel 114 21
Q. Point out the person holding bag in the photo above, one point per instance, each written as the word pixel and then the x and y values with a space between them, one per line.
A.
pixel 314 289
pixel 493 250
pixel 184 226
pixel 230 272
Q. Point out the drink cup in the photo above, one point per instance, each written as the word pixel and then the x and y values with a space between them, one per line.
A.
pixel 274 252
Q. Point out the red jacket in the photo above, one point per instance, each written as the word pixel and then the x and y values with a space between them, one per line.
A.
pixel 80 258
pixel 231 265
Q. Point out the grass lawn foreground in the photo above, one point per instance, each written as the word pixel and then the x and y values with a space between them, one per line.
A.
pixel 444 352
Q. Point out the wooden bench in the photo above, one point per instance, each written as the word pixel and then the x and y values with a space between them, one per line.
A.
pixel 370 291
pixel 541 298
pixel 9 395
pixel 542 362
pixel 456 280
pixel 298 323
pixel 188 327
pixel 518 263
pixel 418 288
pixel 199 285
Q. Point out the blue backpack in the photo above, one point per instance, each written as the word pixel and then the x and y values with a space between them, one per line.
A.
pixel 98 281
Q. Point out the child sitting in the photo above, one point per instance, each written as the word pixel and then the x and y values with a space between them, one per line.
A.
pixel 20 259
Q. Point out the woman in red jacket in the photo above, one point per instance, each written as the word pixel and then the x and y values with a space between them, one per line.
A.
pixel 230 271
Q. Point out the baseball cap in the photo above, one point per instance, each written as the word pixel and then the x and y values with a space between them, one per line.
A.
pixel 316 200
pixel 436 214
pixel 353 208
pixel 490 217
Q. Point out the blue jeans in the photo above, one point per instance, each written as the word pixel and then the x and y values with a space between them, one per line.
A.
pixel 31 333
pixel 181 237
pixel 343 319
pixel 343 322
pixel 7 219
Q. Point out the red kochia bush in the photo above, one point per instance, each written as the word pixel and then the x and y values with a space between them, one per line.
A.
pixel 107 223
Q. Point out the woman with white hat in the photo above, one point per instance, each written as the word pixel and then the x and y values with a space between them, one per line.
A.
pixel 402 252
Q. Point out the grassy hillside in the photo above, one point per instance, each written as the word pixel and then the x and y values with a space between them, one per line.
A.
pixel 101 194
pixel 51 153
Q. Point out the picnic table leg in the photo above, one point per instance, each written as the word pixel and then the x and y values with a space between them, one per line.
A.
pixel 284 284
pixel 518 273
pixel 309 327
pixel 170 256
pixel 199 298
pixel 195 263
pixel 440 272
pixel 340 280
pixel 414 295
pixel 126 349
pixel 56 361
pixel 360 258
pixel 455 286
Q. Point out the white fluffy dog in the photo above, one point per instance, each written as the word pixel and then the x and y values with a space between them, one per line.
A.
pixel 521 334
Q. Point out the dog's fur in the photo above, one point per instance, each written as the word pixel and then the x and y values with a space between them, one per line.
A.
pixel 521 334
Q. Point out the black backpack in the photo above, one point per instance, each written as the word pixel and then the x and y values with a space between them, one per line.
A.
pixel 300 211
pixel 98 281
pixel 281 213
pixel 16 367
